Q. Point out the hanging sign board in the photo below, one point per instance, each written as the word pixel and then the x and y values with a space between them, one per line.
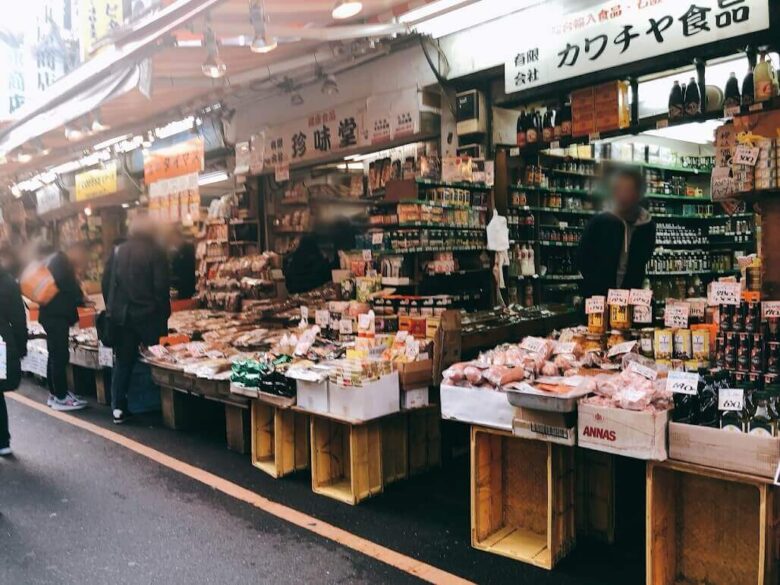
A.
pixel 97 18
pixel 615 33
pixel 175 200
pixel 179 159
pixel 96 183
pixel 48 198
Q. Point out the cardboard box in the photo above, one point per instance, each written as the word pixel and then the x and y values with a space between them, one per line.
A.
pixel 641 435
pixel 415 398
pixel 479 406
pixel 447 343
pixel 554 427
pixel 363 403
pixel 313 396
pixel 415 374
pixel 724 450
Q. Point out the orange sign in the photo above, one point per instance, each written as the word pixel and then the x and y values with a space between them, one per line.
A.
pixel 179 159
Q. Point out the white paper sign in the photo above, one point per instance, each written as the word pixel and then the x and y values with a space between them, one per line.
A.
pixel 682 382
pixel 676 315
pixel 621 348
pixel 770 309
pixel 564 347
pixel 594 305
pixel 367 255
pixel 731 399
pixel 640 296
pixel 642 370
pixel 616 34
pixel 304 313
pixel 724 293
pixel 282 172
pixel 376 238
pixel 345 326
pixel 697 307
pixel 534 344
pixel 721 184
pixel 643 314
pixel 745 155
pixel 618 296
pixel 105 356
pixel 322 318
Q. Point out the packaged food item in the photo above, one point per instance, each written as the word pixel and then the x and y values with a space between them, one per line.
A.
pixel 615 337
pixel 663 344
pixel 646 342
pixel 700 346
pixel 597 323
pixel 682 344
pixel 619 316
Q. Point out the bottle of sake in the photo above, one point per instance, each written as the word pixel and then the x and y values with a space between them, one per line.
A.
pixel 732 96
pixel 748 88
pixel 521 130
pixel 764 79
pixel 676 102
pixel 692 98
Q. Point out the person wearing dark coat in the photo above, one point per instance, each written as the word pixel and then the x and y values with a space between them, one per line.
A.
pixel 57 317
pixel 13 329
pixel 183 266
pixel 616 245
pixel 137 294
pixel 306 268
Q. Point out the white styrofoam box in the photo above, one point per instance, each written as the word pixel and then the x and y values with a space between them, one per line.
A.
pixel 479 406
pixel 637 434
pixel 416 398
pixel 372 400
pixel 313 396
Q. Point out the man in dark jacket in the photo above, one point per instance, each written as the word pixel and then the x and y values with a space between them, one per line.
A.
pixel 13 329
pixel 183 266
pixel 57 317
pixel 137 305
pixel 616 245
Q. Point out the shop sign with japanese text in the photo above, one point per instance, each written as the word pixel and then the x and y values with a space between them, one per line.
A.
pixel 616 33
pixel 97 19
pixel 48 198
pixel 392 116
pixel 96 183
pixel 182 158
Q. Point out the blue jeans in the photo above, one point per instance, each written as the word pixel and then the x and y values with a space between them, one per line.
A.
pixel 126 342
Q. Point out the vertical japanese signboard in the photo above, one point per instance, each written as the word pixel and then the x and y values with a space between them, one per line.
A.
pixel 97 19
pixel 615 33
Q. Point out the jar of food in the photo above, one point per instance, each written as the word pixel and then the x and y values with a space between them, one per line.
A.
pixel 594 342
pixel 597 323
pixel 615 337
pixel 646 342
pixel 619 316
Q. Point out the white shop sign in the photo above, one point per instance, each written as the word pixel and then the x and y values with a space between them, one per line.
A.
pixel 48 198
pixel 616 33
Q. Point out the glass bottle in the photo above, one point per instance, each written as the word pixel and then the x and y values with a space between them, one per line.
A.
pixel 692 98
pixel 763 79
pixel 762 421
pixel 676 100
pixel 732 96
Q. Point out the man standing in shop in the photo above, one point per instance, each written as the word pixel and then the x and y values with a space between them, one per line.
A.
pixel 617 244
pixel 57 317
pixel 183 266
pixel 138 305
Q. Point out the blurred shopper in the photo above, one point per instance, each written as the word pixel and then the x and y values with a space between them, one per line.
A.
pixel 136 289
pixel 182 265
pixel 617 244
pixel 306 268
pixel 13 329
pixel 57 317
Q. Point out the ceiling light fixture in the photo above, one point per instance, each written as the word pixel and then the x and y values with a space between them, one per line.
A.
pixel 261 43
pixel 213 67
pixel 346 9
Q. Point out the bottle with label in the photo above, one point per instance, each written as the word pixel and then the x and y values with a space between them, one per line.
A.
pixel 732 97
pixel 686 409
pixel 762 421
pixel 763 79
pixel 565 120
pixel 521 130
pixel 748 88
pixel 731 420
pixel 676 102
pixel 532 130
pixel 548 133
pixel 692 98
pixel 708 401
pixel 557 124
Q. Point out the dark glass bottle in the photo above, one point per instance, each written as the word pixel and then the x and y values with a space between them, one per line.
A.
pixel 708 401
pixel 732 96
pixel 521 130
pixel 748 91
pixel 676 104
pixel 566 120
pixel 692 98
pixel 548 134
pixel 532 130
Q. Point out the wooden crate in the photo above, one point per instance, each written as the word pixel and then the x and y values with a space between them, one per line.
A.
pixel 395 450
pixel 346 459
pixel 522 497
pixel 280 439
pixel 424 440
pixel 709 526
pixel 596 495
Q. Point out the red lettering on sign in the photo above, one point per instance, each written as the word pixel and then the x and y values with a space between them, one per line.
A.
pixel 597 433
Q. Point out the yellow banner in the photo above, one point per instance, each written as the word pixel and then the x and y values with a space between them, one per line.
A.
pixel 96 183
pixel 97 18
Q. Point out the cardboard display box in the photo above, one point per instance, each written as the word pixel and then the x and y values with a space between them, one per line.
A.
pixel 720 449
pixel 414 375
pixel 554 427
pixel 372 400
pixel 479 406
pixel 641 435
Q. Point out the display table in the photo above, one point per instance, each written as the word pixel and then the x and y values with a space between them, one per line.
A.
pixel 87 365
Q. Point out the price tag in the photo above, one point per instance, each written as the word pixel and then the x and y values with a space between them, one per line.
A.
pixel 621 348
pixel 724 293
pixel 563 224
pixel 676 315
pixel 594 305
pixel 643 314
pixel 756 107
pixel 618 296
pixel 731 112
pixel 555 144
pixel 721 184
pixel 642 370
pixel 593 136
pixel 662 123
pixel 534 344
pixel 770 309
pixel 345 326
pixel 564 347
pixel 377 237
pixel 514 151
pixel 304 314
pixel 364 321
pixel 105 356
pixel 682 382
pixel 282 172
pixel 697 308
pixel 640 296
pixel 322 318
pixel 745 155
pixel 731 399
pixel 367 255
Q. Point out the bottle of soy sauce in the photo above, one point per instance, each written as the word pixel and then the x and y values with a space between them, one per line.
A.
pixel 521 130
pixel 692 98
pixel 532 129
pixel 676 102
pixel 548 134
pixel 732 97
pixel 748 89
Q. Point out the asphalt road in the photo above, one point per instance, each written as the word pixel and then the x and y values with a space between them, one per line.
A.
pixel 76 508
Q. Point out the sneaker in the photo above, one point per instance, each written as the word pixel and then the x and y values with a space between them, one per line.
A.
pixel 67 404
pixel 51 400
pixel 5 452
pixel 120 416
pixel 77 398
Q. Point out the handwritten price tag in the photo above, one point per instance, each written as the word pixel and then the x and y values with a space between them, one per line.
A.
pixel 618 296
pixel 105 356
pixel 594 305
pixel 533 344
pixel 345 326
pixel 724 293
pixel 770 309
pixel 722 184
pixel 304 313
pixel 676 315
pixel 731 399
pixel 322 318
pixel 564 347
pixel 682 382
pixel 731 112
pixel 643 371
pixel 364 321
pixel 643 314
pixel 376 238
pixel 698 307
pixel 745 155
pixel 640 296
pixel 621 348
pixel 367 255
